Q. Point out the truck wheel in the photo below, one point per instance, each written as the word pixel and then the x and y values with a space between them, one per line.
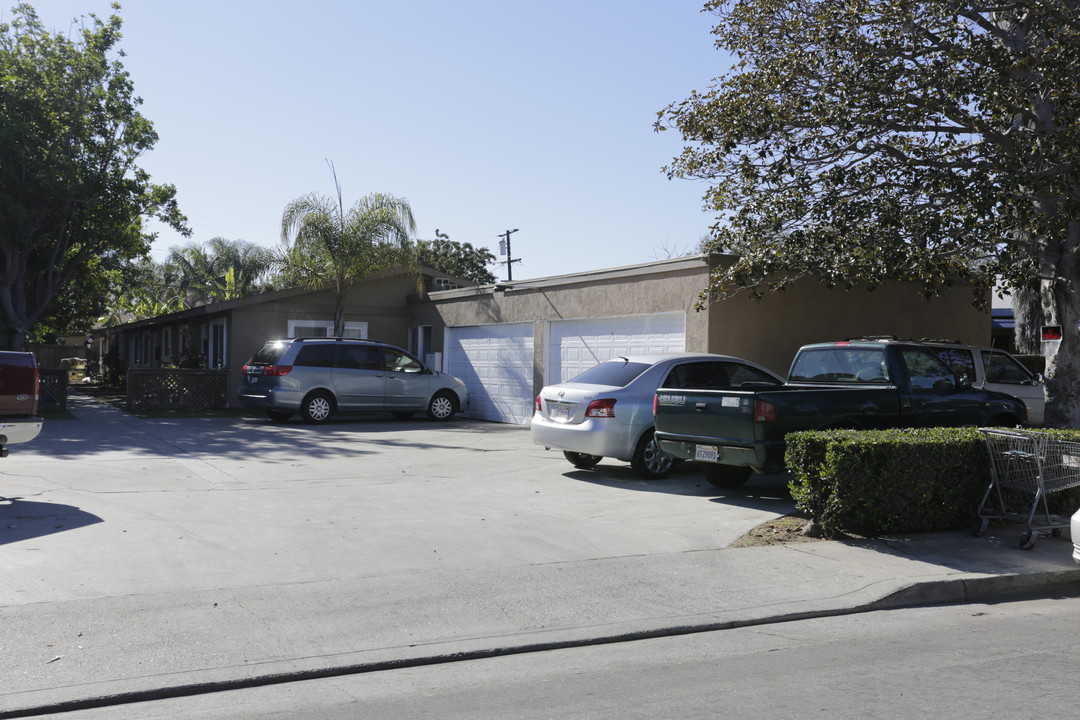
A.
pixel 582 460
pixel 649 461
pixel 726 476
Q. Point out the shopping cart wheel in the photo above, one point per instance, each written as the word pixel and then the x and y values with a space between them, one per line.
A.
pixel 1028 541
pixel 980 528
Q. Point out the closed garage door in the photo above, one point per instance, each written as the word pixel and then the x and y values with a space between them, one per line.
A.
pixel 577 345
pixel 496 364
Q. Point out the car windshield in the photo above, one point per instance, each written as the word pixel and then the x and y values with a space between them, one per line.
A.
pixel 615 373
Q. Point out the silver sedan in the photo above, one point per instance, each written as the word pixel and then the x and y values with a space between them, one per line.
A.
pixel 607 411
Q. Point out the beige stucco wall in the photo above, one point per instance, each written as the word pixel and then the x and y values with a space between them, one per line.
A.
pixel 662 287
pixel 769 331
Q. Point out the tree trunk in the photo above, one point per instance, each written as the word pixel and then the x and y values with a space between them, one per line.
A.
pixel 1061 305
pixel 1028 317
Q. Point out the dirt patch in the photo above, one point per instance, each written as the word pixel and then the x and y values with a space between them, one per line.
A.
pixel 794 528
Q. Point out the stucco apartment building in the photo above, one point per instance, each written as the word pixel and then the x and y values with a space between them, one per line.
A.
pixel 507 340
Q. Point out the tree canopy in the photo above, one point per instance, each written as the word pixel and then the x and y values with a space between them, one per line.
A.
pixel 873 140
pixel 72 198
pixel 461 260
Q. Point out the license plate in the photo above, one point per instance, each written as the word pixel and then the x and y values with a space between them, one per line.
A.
pixel 708 453
pixel 253 379
pixel 560 412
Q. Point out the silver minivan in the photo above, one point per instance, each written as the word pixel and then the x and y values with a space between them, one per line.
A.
pixel 318 377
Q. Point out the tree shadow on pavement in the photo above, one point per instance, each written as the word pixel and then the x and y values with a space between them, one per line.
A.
pixel 25 519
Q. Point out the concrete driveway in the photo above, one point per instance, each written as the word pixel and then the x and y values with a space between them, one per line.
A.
pixel 136 554
pixel 112 505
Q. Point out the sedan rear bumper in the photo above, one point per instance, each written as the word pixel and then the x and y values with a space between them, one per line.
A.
pixel 605 437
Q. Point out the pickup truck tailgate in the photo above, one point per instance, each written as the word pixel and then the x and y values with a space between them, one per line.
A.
pixel 715 425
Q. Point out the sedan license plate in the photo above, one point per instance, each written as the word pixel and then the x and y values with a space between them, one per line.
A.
pixel 560 412
pixel 708 453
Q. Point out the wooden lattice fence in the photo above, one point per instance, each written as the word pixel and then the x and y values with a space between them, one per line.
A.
pixel 53 388
pixel 177 389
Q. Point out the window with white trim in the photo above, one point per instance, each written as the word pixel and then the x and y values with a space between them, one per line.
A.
pixel 325 328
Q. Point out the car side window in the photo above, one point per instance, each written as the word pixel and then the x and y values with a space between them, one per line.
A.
pixel 698 376
pixel 1002 368
pixel 740 375
pixel 320 355
pixel 925 370
pixel 959 360
pixel 358 357
pixel 397 361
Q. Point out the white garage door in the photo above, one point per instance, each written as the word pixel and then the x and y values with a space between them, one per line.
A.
pixel 576 345
pixel 496 364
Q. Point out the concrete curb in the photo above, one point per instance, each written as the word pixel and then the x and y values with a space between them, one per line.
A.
pixel 918 594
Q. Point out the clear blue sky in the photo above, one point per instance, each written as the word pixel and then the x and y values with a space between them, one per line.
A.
pixel 486 115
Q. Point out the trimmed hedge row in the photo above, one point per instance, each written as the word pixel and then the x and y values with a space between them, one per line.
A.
pixel 873 482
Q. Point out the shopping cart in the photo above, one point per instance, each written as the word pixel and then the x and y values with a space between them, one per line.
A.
pixel 1030 462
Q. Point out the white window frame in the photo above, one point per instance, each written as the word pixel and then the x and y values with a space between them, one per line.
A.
pixel 212 344
pixel 359 326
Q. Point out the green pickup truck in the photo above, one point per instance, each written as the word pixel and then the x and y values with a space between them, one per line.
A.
pixel 863 384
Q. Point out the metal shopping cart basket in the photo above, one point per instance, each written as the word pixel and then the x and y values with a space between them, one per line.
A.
pixel 1033 463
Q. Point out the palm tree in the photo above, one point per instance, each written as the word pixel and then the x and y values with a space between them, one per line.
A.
pixel 326 246
pixel 219 270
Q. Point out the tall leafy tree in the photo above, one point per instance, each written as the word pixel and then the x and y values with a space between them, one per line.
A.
pixel 72 198
pixel 459 259
pixel 328 246
pixel 869 140
pixel 220 269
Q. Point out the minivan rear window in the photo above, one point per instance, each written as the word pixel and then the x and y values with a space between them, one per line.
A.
pixel 268 354
pixel 615 373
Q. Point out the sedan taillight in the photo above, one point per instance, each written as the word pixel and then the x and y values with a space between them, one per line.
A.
pixel 601 408
pixel 538 407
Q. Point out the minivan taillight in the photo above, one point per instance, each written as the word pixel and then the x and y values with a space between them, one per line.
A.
pixel 538 407
pixel 276 370
pixel 764 411
pixel 601 408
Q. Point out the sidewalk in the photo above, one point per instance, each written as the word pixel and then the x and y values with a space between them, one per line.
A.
pixel 138 647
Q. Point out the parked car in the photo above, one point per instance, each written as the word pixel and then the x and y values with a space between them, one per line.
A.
pixel 860 384
pixel 607 411
pixel 1074 533
pixel 317 377
pixel 18 399
pixel 988 368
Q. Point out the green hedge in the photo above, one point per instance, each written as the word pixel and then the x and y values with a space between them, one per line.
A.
pixel 885 481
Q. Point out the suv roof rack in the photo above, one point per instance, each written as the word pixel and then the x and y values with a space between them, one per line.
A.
pixel 891 338
pixel 336 339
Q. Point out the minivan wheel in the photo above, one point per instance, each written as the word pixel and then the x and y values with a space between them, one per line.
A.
pixel 317 408
pixel 442 406
pixel 649 461
pixel 278 415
